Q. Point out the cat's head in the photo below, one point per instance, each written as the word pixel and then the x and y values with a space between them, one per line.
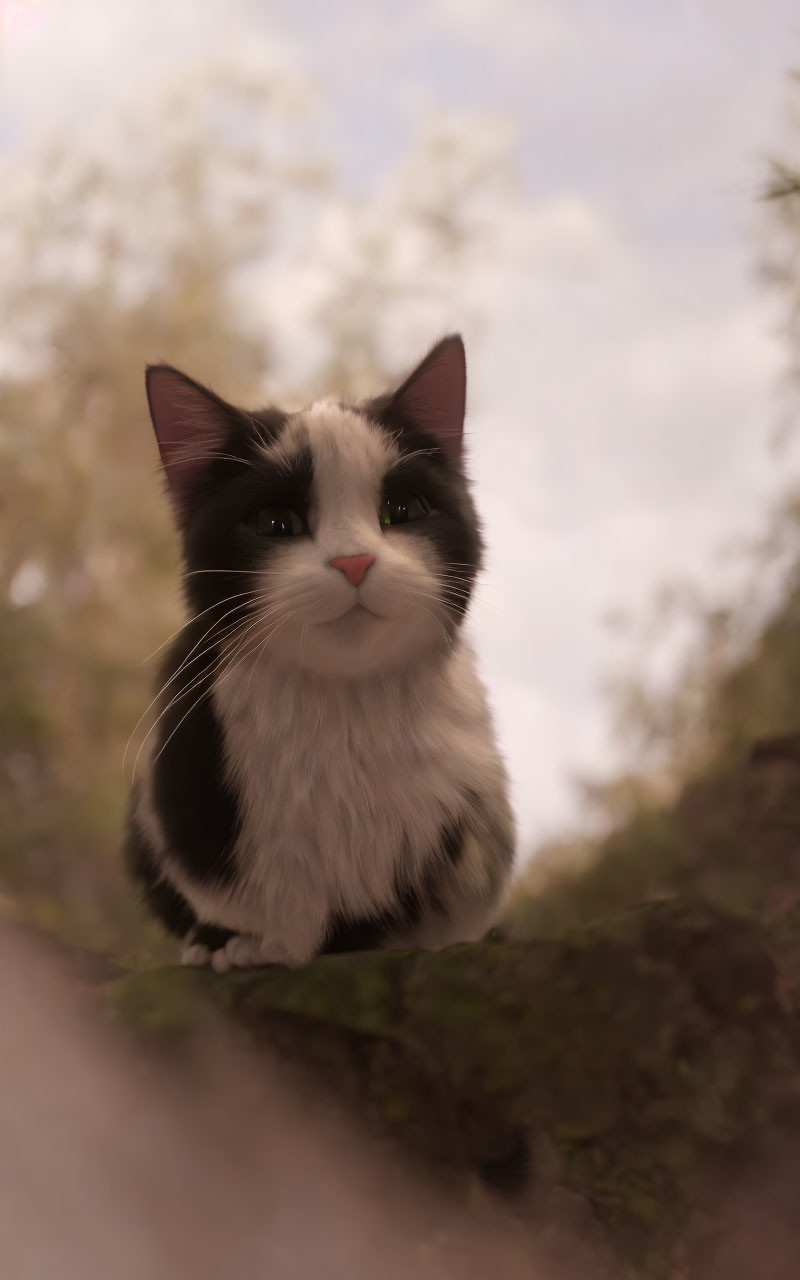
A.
pixel 341 539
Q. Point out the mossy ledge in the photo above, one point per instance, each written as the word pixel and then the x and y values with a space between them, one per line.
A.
pixel 617 1063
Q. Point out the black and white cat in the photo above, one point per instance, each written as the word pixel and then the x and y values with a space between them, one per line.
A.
pixel 324 774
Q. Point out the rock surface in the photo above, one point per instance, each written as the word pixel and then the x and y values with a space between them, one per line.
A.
pixel 605 1074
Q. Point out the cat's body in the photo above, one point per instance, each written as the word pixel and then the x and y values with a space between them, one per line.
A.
pixel 324 774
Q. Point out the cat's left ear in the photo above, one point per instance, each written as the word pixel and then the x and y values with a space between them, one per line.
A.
pixel 191 425
pixel 433 398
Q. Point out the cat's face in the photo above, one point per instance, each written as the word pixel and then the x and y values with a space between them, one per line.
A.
pixel 340 539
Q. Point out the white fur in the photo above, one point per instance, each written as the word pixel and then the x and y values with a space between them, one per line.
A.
pixel 311 624
pixel 352 738
pixel 195 955
pixel 345 787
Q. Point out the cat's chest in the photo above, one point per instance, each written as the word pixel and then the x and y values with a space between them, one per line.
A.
pixel 325 777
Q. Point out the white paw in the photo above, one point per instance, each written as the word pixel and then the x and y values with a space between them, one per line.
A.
pixel 246 951
pixel 193 953
pixel 242 951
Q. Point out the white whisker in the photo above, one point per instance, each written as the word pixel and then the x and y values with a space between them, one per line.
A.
pixel 193 573
pixel 180 693
pixel 261 650
pixel 188 661
pixel 189 622
pixel 228 671
pixel 439 624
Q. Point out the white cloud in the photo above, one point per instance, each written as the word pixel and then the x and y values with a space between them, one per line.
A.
pixel 621 440
pixel 87 56
pixel 525 25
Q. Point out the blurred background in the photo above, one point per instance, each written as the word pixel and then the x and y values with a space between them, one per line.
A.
pixel 286 199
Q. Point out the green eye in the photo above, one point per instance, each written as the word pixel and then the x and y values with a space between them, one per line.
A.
pixel 402 507
pixel 277 522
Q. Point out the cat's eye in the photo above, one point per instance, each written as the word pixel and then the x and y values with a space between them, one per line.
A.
pixel 277 522
pixel 401 507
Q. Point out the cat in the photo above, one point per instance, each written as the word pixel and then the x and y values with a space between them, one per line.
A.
pixel 324 774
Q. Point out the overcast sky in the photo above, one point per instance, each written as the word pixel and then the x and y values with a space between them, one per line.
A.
pixel 623 402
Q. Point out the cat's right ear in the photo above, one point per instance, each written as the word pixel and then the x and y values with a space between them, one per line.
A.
pixel 191 426
pixel 433 397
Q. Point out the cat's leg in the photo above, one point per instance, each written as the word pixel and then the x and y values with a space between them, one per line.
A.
pixel 165 902
pixel 169 906
pixel 292 922
pixel 461 902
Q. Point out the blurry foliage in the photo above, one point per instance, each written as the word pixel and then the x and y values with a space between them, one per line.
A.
pixel 165 235
pixel 737 680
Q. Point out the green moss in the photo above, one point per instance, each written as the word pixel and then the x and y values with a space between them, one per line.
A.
pixel 165 1003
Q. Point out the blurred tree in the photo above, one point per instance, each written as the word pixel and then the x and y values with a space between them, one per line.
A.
pixel 162 237
pixel 113 254
pixel 425 249
pixel 737 680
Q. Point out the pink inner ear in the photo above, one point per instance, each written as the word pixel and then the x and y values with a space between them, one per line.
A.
pixel 190 426
pixel 433 398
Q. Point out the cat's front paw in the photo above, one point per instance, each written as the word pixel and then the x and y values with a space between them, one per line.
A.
pixel 237 952
pixel 247 951
pixel 195 955
pixel 242 951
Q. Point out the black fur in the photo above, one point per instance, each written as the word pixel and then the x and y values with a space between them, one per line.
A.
pixel 161 898
pixel 453 525
pixel 197 808
pixel 165 903
pixel 452 842
pixel 369 932
pixel 211 935
pixel 216 535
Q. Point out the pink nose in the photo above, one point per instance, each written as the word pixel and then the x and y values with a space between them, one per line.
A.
pixel 353 567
